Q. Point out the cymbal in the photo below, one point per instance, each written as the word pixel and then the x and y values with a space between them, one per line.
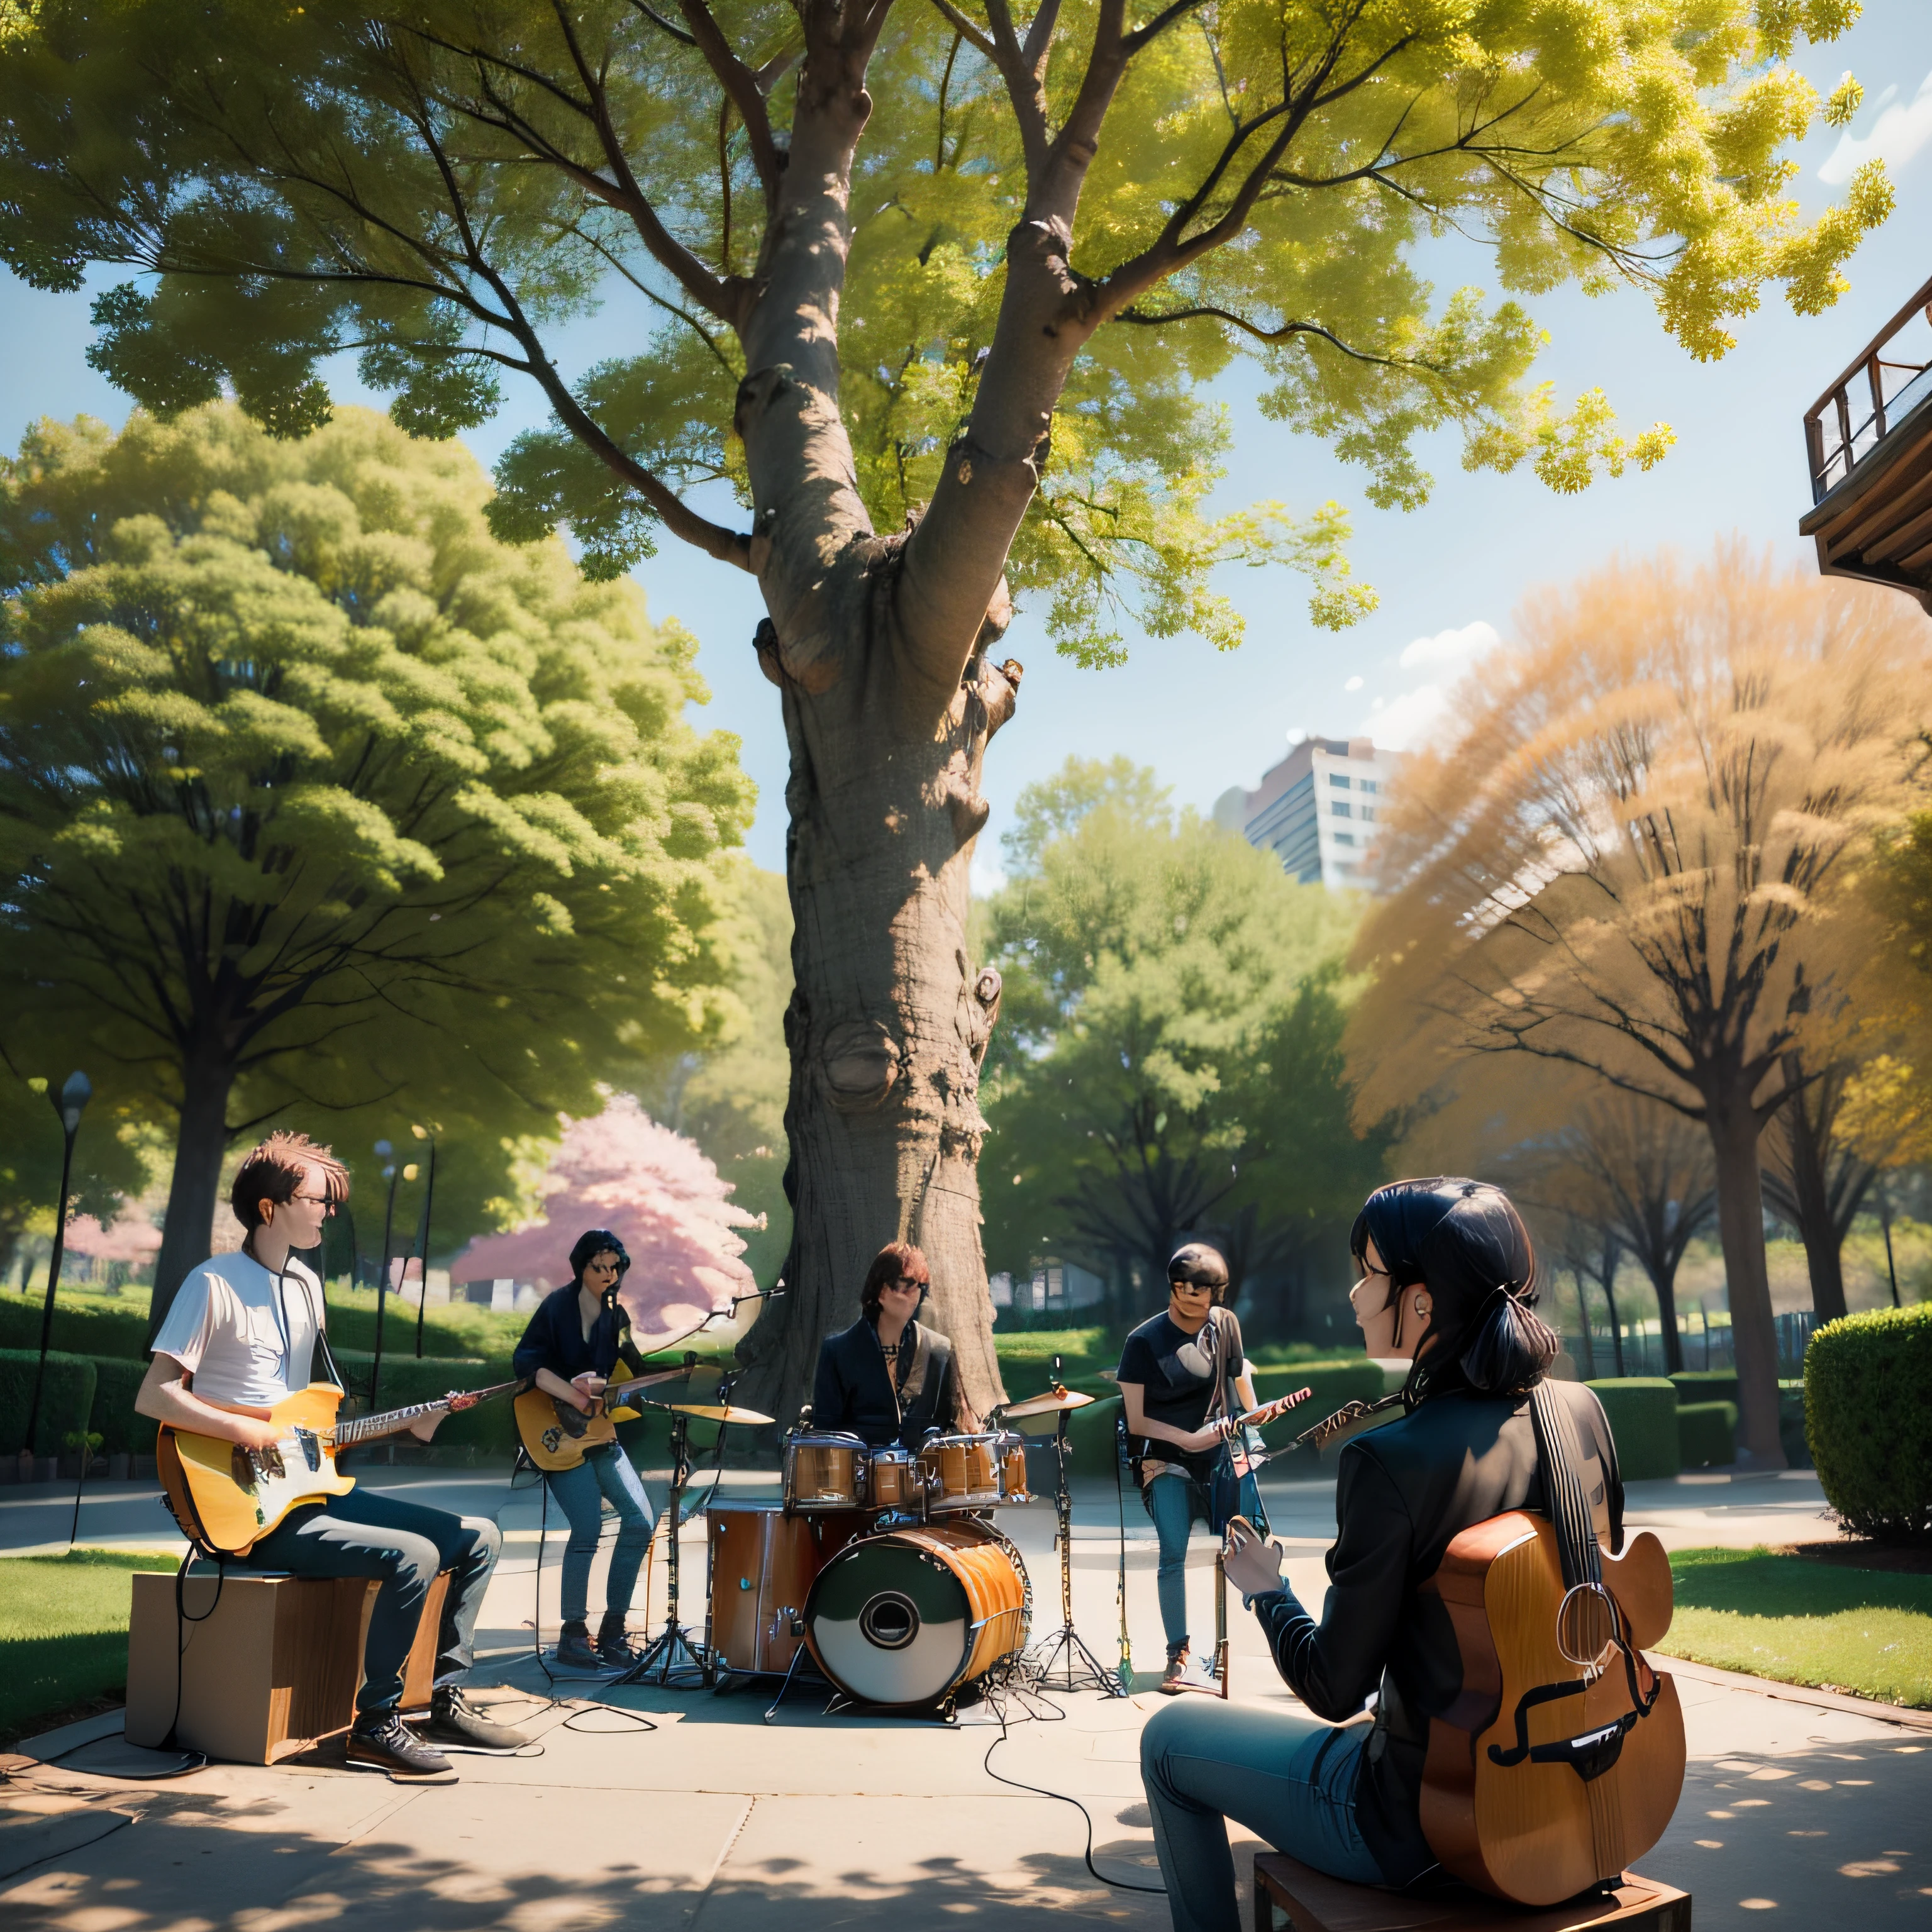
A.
pixel 712 1411
pixel 1052 1403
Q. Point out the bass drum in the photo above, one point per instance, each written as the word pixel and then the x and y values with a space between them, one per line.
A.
pixel 901 1621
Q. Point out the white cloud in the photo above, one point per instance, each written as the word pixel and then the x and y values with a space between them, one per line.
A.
pixel 1406 721
pixel 1353 684
pixel 1410 720
pixel 1898 134
pixel 1449 648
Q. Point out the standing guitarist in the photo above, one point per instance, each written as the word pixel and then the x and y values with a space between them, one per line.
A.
pixel 236 1340
pixel 574 1341
pixel 1175 1373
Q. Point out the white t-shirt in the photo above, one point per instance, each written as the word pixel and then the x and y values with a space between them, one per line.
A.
pixel 245 1334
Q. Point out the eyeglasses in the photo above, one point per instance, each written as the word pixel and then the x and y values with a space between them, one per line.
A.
pixel 1191 1287
pixel 325 1202
pixel 910 1281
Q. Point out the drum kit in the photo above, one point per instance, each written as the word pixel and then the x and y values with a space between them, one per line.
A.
pixel 881 1567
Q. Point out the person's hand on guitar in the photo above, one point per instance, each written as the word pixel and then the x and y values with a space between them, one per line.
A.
pixel 586 1389
pixel 1248 1562
pixel 252 1432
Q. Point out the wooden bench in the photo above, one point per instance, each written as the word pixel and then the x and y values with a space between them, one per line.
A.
pixel 1290 1894
pixel 268 1671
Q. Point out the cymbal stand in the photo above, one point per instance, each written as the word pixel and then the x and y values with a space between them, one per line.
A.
pixel 1062 1649
pixel 672 1660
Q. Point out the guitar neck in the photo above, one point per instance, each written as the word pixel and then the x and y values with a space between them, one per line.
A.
pixel 351 1430
pixel 1269 1410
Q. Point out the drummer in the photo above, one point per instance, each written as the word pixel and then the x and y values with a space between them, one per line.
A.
pixel 889 1379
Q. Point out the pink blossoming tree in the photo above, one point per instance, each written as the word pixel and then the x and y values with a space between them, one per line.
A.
pixel 662 1197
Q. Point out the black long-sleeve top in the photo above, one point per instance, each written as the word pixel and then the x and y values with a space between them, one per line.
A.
pixel 1402 1493
pixel 853 1391
pixel 554 1339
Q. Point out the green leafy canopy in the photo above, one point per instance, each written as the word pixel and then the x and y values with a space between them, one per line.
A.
pixel 312 790
pixel 438 189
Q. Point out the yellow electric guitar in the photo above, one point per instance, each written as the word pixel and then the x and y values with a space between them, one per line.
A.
pixel 227 1499
pixel 557 1434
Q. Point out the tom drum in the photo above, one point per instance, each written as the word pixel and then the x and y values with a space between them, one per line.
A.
pixel 903 1619
pixel 763 1562
pixel 893 1482
pixel 1010 1448
pixel 962 1472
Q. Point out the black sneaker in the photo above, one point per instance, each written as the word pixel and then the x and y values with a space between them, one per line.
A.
pixel 574 1650
pixel 613 1646
pixel 386 1743
pixel 456 1725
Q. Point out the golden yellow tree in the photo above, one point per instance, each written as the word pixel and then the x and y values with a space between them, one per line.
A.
pixel 1640 856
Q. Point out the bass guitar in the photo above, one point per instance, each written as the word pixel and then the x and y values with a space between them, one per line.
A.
pixel 557 1435
pixel 226 1498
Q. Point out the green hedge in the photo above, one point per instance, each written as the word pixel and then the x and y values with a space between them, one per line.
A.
pixel 1642 1413
pixel 66 1396
pixel 122 1429
pixel 77 1331
pixel 490 1427
pixel 1695 1385
pixel 1706 1433
pixel 1868 1420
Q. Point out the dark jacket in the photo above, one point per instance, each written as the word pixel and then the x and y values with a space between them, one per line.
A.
pixel 555 1340
pixel 1401 1493
pixel 853 1391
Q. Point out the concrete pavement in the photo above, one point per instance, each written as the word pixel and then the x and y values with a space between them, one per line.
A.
pixel 712 1819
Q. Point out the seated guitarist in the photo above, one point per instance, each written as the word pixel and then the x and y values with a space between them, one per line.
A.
pixel 237 1339
pixel 889 1379
pixel 1449 1284
pixel 573 1343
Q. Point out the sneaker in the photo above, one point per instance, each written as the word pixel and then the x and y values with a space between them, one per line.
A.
pixel 455 1724
pixel 1175 1677
pixel 613 1645
pixel 574 1650
pixel 386 1743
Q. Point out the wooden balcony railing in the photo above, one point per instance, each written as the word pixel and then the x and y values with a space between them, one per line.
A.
pixel 1833 445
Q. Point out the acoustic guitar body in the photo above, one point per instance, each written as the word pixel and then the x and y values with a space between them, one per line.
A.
pixel 228 1500
pixel 1541 1780
pixel 547 1438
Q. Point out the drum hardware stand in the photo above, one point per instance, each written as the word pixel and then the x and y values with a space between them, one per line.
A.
pixel 672 1660
pixel 1062 1649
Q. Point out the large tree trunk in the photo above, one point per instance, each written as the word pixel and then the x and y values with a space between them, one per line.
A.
pixel 1663 1279
pixel 1734 1132
pixel 888 1021
pixel 206 1078
pixel 1811 1197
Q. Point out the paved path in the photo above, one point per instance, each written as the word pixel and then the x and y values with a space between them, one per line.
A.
pixel 1793 1812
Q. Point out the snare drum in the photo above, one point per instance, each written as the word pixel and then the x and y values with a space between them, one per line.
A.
pixel 893 1482
pixel 962 1472
pixel 823 1471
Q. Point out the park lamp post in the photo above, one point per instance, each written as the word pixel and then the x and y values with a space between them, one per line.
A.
pixel 427 1134
pixel 384 1150
pixel 70 1104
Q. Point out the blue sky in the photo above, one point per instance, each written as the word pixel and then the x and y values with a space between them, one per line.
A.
pixel 1450 575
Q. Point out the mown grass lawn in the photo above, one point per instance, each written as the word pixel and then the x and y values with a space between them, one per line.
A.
pixel 1867 1633
pixel 64 1629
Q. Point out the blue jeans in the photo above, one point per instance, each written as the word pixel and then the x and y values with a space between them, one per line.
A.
pixel 579 1494
pixel 403 1546
pixel 1172 1497
pixel 1291 1780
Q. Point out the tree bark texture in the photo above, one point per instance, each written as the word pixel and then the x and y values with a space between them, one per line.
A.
pixel 1734 1131
pixel 888 1021
pixel 1817 1225
pixel 207 1079
pixel 1663 1279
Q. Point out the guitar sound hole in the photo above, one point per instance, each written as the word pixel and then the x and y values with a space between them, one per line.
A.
pixel 1586 1625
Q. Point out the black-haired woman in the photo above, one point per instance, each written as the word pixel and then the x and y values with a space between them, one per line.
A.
pixel 1449 1284
pixel 575 1338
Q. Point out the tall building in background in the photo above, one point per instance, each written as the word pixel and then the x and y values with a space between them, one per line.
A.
pixel 1318 810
